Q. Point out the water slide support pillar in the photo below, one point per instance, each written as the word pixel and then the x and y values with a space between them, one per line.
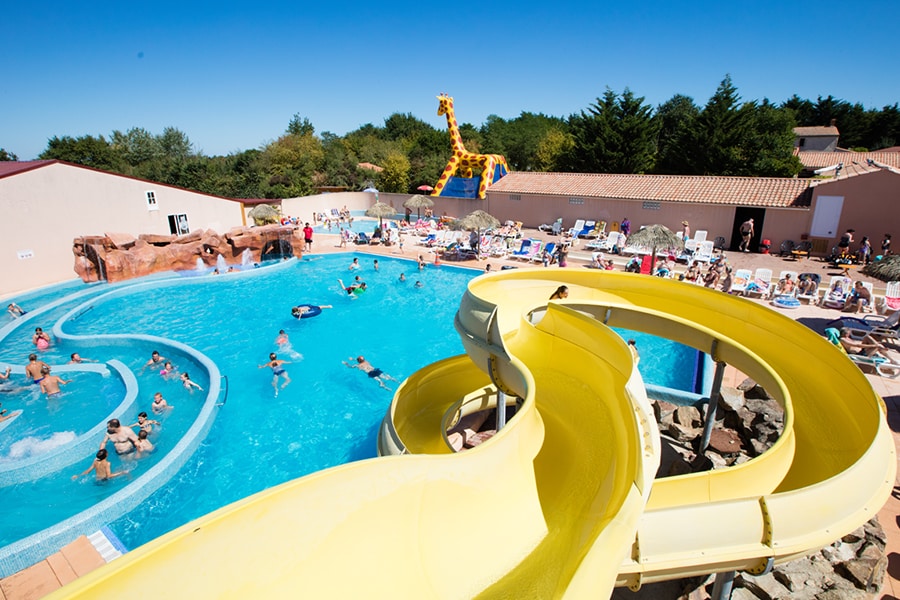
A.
pixel 712 404
pixel 722 587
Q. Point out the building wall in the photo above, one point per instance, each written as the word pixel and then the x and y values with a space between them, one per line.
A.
pixel 871 206
pixel 46 208
pixel 817 143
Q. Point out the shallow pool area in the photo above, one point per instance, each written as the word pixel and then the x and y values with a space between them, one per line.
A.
pixel 328 414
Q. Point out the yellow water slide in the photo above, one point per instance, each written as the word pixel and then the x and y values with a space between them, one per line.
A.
pixel 561 502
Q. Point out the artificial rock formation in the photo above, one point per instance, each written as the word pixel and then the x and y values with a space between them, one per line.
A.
pixel 117 256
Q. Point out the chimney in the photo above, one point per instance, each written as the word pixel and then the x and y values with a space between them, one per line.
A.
pixel 834 123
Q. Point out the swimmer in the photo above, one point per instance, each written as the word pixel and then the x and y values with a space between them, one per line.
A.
pixel 419 284
pixel 168 371
pixel 354 289
pixel 34 367
pixel 277 371
pixel 50 383
pixel 402 276
pixel 421 262
pixel 3 415
pixel 298 312
pixel 143 446
pixel 561 293
pixel 375 264
pixel 159 404
pixel 101 468
pixel 155 360
pixel 6 375
pixel 77 359
pixel 14 310
pixel 40 339
pixel 366 367
pixel 354 265
pixel 123 438
pixel 143 423
pixel 188 384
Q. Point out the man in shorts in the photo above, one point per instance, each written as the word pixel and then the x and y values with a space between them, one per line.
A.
pixel 746 235
pixel 123 438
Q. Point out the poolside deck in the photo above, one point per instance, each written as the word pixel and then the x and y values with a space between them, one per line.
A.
pixel 81 557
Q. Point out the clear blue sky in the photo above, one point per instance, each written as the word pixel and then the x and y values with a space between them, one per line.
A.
pixel 231 75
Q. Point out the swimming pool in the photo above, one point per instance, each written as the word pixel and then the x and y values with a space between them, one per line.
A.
pixel 328 415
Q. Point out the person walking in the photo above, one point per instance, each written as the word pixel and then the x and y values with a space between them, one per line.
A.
pixel 746 234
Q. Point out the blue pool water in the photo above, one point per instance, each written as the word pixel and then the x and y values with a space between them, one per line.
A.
pixel 328 415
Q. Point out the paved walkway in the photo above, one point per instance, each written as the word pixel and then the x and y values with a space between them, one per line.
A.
pixel 80 557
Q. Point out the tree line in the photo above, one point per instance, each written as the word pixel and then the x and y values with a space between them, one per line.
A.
pixel 618 133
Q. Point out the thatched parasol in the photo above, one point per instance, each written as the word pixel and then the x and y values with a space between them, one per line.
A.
pixel 477 220
pixel 654 238
pixel 886 269
pixel 418 202
pixel 380 210
pixel 264 214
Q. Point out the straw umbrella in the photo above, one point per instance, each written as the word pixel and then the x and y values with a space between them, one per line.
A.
pixel 477 220
pixel 654 238
pixel 418 202
pixel 380 210
pixel 264 214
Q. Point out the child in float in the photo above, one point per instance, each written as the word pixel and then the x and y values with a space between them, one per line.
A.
pixel 168 371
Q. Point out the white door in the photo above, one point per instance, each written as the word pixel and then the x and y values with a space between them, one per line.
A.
pixel 826 216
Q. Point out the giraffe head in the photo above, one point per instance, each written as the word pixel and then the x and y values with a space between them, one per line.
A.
pixel 446 104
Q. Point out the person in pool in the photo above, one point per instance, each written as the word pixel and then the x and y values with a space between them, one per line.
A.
pixel 40 339
pixel 14 310
pixel 123 438
pixel 168 371
pixel 143 446
pixel 34 368
pixel 101 467
pixel 298 312
pixel 159 404
pixel 143 423
pixel 77 359
pixel 355 289
pixel 188 384
pixel 366 367
pixel 155 360
pixel 278 370
pixel 50 383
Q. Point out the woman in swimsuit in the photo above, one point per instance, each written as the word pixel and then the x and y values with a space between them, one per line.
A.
pixel 277 371
pixel 40 339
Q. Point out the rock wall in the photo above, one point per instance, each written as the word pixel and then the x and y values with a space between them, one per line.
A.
pixel 118 256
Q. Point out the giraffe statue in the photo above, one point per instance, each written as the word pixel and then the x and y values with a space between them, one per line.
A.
pixel 464 161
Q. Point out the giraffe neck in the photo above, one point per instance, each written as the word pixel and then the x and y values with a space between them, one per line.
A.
pixel 456 142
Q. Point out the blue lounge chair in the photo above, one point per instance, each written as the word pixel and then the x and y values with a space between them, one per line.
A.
pixel 362 239
pixel 524 248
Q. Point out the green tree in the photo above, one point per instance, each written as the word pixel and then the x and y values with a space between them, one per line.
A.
pixel 551 149
pixel 617 134
pixel 395 176
pixel 675 118
pixel 136 146
pixel 7 156
pixel 86 150
pixel 518 139
pixel 769 145
pixel 300 126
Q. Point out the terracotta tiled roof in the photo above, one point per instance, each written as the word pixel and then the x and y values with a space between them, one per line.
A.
pixel 8 168
pixel 816 131
pixel 739 191
pixel 817 160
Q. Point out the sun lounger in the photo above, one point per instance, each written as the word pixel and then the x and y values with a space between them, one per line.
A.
pixel 704 251
pixel 892 296
pixel 523 250
pixel 549 248
pixel 837 292
pixel 761 285
pixel 533 250
pixel 576 229
pixel 740 280
pixel 879 364
pixel 588 229
pixel 554 227
pixel 813 296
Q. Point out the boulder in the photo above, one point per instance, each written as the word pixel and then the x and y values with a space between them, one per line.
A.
pixel 121 241
pixel 687 416
pixel 725 441
pixel 156 240
pixel 683 434
pixel 731 398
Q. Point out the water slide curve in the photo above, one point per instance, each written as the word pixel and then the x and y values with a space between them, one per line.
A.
pixel 562 502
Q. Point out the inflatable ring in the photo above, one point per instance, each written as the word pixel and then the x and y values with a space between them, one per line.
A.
pixel 312 311
pixel 786 302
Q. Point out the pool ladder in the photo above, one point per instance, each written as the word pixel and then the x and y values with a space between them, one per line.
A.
pixel 225 387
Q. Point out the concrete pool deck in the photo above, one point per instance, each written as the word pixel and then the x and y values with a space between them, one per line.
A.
pixel 81 557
